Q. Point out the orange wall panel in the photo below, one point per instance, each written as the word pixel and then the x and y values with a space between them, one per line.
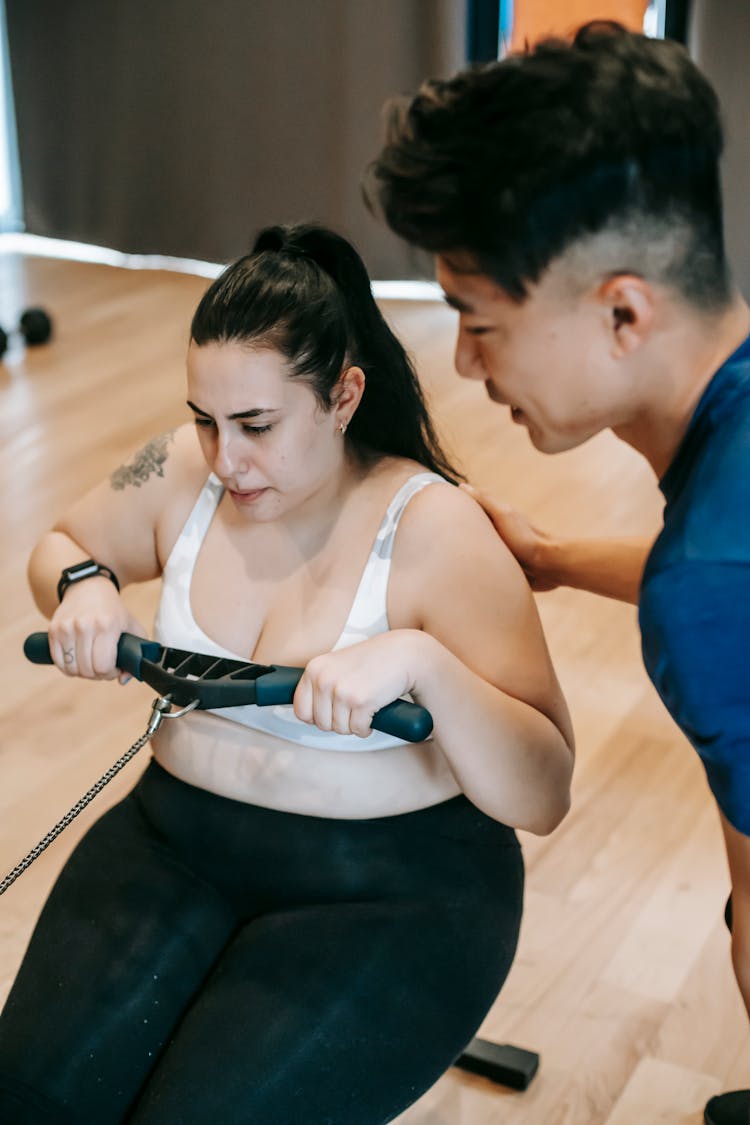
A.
pixel 535 19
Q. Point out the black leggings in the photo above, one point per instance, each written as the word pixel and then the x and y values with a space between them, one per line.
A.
pixel 203 961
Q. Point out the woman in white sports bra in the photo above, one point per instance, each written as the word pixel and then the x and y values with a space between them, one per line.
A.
pixel 292 918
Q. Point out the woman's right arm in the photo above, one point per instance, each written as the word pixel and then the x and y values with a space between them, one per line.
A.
pixel 118 524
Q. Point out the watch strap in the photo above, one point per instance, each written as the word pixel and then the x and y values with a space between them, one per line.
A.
pixel 80 571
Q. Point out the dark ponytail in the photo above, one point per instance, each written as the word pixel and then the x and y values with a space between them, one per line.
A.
pixel 305 292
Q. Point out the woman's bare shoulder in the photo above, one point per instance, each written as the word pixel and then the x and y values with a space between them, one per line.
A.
pixel 388 474
pixel 173 456
pixel 186 472
pixel 445 512
pixel 126 517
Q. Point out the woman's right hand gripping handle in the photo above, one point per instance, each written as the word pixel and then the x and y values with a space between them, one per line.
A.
pixel 85 628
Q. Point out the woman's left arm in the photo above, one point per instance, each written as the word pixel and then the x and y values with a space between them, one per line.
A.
pixel 474 655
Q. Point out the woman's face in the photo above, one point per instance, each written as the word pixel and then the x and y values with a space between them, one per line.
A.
pixel 264 434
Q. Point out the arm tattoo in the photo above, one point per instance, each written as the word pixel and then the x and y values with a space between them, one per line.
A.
pixel 148 460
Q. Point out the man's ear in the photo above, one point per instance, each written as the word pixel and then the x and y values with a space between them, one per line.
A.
pixel 629 304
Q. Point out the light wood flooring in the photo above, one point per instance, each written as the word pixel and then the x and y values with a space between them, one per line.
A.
pixel 622 979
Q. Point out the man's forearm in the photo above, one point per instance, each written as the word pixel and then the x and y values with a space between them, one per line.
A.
pixel 610 567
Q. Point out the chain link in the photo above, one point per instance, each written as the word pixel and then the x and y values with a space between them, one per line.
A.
pixel 77 808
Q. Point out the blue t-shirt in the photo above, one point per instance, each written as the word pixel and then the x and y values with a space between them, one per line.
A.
pixel 695 598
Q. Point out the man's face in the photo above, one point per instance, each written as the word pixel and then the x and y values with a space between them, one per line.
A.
pixel 551 359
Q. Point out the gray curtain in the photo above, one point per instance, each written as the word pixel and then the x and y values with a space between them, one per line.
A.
pixel 182 126
pixel 719 40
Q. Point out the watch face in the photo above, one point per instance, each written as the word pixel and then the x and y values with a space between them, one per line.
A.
pixel 71 574
pixel 81 570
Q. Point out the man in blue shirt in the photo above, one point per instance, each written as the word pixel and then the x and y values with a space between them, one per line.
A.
pixel 571 197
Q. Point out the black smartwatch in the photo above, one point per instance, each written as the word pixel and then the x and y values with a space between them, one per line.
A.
pixel 77 573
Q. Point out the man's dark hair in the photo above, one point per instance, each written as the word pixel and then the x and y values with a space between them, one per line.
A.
pixel 514 162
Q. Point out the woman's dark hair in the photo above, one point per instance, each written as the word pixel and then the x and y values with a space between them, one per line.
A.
pixel 304 291
pixel 513 162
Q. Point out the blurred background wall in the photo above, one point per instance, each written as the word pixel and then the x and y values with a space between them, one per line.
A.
pixel 182 126
pixel 719 41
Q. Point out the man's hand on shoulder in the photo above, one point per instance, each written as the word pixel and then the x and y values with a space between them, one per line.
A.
pixel 529 545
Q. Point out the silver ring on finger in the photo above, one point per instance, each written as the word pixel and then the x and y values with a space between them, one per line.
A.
pixel 69 656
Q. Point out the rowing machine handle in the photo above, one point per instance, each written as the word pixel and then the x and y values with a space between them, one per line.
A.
pixel 401 718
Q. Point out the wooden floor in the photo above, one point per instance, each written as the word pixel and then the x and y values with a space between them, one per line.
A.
pixel 622 979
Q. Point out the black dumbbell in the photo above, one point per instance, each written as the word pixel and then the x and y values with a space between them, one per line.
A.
pixel 35 326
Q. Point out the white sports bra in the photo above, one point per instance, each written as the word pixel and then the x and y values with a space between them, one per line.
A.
pixel 175 626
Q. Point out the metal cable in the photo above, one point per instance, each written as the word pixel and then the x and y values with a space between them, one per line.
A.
pixel 78 807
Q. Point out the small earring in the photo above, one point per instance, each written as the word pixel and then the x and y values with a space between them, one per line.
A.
pixel 342 428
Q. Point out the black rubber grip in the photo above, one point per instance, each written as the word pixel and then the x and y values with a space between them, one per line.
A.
pixel 36 649
pixel 131 651
pixel 403 719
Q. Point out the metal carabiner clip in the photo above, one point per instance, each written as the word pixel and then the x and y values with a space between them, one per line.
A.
pixel 161 708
